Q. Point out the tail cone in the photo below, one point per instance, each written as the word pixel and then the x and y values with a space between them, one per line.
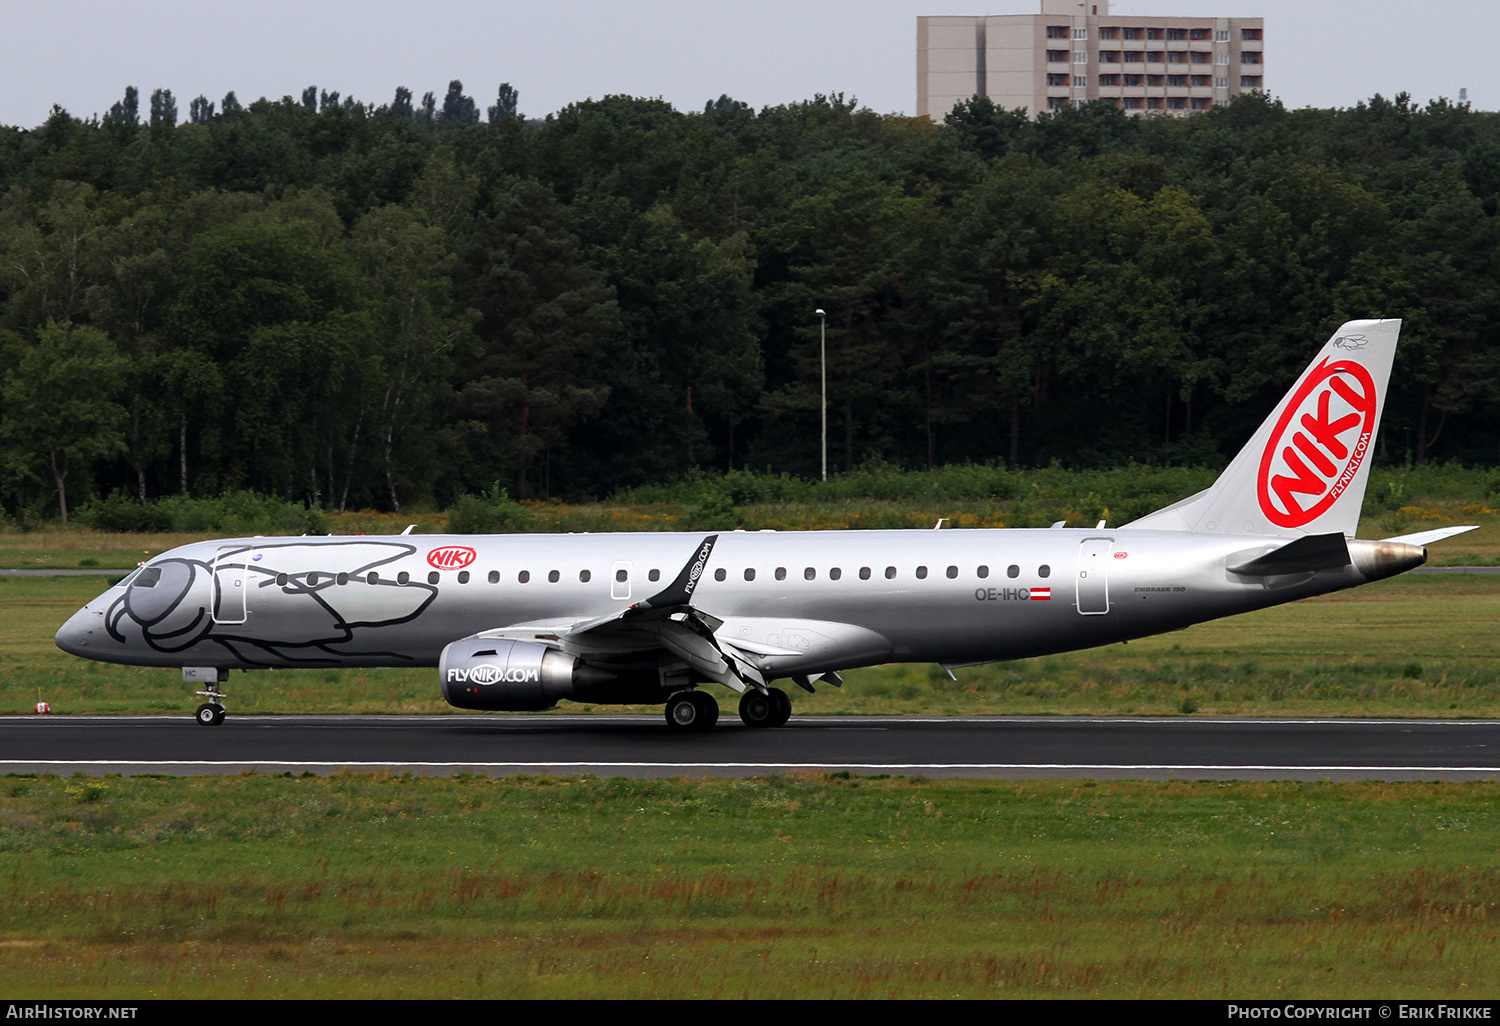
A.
pixel 1378 560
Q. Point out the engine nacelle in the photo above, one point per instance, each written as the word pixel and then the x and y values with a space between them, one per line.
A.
pixel 513 676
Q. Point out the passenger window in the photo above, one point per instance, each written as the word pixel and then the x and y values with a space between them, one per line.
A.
pixel 553 576
pixel 720 574
pixel 890 573
pixel 921 573
pixel 809 574
pixel 463 577
pixel 341 579
pixel 524 577
pixel 403 577
pixel 312 580
pixel 749 573
pixel 952 573
pixel 280 581
pixel 374 578
pixel 864 573
pixel 494 576
pixel 835 574
pixel 584 576
pixel 1044 571
pixel 434 577
pixel 982 572
pixel 1012 571
pixel 781 573
pixel 654 575
pixel 621 576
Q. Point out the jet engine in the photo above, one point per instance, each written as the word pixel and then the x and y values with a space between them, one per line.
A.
pixel 519 676
pixel 487 673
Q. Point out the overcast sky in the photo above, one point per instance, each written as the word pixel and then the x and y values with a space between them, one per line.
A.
pixel 82 55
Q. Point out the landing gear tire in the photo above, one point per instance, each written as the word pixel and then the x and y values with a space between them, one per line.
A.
pixel 783 707
pixel 210 714
pixel 771 709
pixel 692 711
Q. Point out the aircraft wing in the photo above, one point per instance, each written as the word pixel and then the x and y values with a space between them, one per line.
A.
pixel 687 636
pixel 667 622
pixel 739 652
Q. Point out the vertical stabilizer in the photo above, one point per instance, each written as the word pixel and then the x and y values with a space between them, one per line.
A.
pixel 1304 471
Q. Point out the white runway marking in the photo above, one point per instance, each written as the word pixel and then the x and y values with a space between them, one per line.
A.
pixel 881 767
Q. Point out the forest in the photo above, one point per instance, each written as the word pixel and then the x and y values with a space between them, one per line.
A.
pixel 388 306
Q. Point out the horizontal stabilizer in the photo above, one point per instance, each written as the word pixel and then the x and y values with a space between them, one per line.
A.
pixel 1306 554
pixel 1435 535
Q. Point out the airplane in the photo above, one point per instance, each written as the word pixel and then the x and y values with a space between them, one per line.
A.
pixel 521 622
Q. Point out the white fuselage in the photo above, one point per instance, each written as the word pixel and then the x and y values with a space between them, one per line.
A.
pixel 806 602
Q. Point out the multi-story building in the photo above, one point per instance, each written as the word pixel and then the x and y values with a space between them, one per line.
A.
pixel 1075 52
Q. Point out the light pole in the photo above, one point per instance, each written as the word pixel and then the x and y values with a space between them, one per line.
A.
pixel 823 376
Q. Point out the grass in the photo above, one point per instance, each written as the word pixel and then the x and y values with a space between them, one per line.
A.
pixel 1410 646
pixel 370 886
pixel 1398 501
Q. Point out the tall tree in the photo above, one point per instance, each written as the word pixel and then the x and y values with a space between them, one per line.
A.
pixel 128 110
pixel 61 414
pixel 163 109
pixel 459 109
pixel 506 105
pixel 415 329
pixel 544 317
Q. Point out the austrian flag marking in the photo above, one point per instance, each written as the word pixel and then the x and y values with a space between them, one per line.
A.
pixel 451 557
pixel 1041 594
pixel 1319 443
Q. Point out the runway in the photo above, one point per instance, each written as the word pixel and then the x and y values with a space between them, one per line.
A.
pixel 641 746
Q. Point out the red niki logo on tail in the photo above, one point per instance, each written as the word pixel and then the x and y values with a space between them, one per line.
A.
pixel 1319 443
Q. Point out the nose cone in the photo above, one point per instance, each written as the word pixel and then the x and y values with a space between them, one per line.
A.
pixel 82 627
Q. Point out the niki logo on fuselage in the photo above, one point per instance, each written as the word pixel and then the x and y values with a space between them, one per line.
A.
pixel 1319 443
pixel 451 557
pixel 489 673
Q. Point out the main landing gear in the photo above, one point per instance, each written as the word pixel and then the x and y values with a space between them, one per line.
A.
pixel 697 710
pixel 692 710
pixel 771 709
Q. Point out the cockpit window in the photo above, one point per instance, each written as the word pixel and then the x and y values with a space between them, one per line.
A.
pixel 145 577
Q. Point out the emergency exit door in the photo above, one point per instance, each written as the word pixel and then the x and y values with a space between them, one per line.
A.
pixel 229 585
pixel 1093 575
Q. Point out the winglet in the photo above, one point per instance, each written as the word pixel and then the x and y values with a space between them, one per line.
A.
pixel 680 591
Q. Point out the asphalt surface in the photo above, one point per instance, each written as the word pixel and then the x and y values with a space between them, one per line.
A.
pixel 642 746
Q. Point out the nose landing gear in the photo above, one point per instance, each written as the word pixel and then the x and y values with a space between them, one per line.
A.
pixel 210 713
